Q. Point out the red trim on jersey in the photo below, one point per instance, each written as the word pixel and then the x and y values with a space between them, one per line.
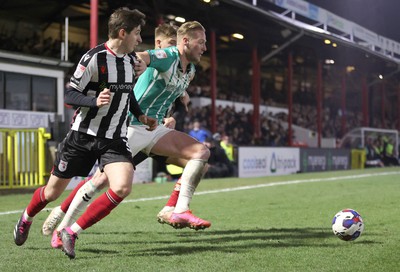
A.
pixel 108 49
pixel 112 52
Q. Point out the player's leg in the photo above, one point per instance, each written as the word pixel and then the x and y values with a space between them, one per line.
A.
pixel 41 197
pixel 173 199
pixel 69 162
pixel 120 176
pixel 141 139
pixel 177 144
pixel 79 203
pixel 78 200
pixel 164 215
pixel 117 165
pixel 57 214
pixel 83 198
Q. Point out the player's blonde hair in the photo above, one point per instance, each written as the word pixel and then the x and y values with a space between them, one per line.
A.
pixel 165 30
pixel 189 29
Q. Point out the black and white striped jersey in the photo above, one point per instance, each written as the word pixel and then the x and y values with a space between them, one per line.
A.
pixel 100 68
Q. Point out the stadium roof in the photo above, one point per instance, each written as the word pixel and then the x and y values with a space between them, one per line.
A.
pixel 263 26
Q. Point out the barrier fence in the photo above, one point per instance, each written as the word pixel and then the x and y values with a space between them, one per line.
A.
pixel 23 157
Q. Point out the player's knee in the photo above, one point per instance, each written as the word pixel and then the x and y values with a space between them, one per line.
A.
pixel 51 194
pixel 100 181
pixel 51 198
pixel 204 153
pixel 123 191
pixel 205 169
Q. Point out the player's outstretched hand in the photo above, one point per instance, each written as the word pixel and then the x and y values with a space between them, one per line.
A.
pixel 170 122
pixel 149 121
pixel 104 98
pixel 140 67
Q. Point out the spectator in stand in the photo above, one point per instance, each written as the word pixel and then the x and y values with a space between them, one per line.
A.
pixel 229 149
pixel 198 132
pixel 388 156
pixel 373 159
pixel 219 165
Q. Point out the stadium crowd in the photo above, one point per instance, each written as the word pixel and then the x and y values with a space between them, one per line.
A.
pixel 39 46
pixel 235 123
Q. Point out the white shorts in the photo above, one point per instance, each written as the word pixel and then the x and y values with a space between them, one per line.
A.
pixel 140 139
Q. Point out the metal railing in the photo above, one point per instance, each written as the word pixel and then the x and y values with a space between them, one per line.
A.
pixel 23 157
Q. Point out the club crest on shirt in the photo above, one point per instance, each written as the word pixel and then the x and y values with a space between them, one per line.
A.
pixel 79 71
pixel 160 54
pixel 62 166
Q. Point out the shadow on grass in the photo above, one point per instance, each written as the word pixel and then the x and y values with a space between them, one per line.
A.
pixel 234 240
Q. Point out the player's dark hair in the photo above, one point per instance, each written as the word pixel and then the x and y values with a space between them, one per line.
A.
pixel 124 18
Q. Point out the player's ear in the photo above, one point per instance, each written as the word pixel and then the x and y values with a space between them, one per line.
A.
pixel 158 44
pixel 122 32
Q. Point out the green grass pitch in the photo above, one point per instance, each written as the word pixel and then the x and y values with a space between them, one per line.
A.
pixel 280 223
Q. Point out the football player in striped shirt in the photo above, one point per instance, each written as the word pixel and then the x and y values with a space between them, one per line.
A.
pixel 165 36
pixel 65 214
pixel 171 70
pixel 102 88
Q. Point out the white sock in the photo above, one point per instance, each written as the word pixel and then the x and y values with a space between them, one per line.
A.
pixel 81 200
pixel 168 209
pixel 191 176
pixel 76 228
pixel 27 217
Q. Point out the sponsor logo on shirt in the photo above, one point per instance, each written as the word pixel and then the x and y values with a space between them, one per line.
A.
pixel 79 71
pixel 125 88
pixel 160 54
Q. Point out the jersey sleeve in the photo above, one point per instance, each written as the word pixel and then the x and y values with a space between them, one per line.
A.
pixel 161 59
pixel 83 72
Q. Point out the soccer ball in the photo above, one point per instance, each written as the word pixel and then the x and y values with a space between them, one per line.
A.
pixel 347 225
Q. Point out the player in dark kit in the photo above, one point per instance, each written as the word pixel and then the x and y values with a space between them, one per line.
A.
pixel 102 89
pixel 77 201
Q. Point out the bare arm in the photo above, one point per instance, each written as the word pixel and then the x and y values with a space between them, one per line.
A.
pixel 144 56
pixel 140 67
pixel 185 99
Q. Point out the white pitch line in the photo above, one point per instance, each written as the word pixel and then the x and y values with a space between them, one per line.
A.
pixel 240 188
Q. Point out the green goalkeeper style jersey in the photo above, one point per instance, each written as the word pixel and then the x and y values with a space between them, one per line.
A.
pixel 162 82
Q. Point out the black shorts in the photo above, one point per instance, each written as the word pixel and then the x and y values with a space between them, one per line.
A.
pixel 78 152
pixel 141 156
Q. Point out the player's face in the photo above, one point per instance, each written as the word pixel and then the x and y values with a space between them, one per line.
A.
pixel 132 39
pixel 196 46
pixel 167 42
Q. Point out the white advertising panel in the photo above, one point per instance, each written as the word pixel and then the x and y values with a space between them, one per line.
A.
pixel 267 161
